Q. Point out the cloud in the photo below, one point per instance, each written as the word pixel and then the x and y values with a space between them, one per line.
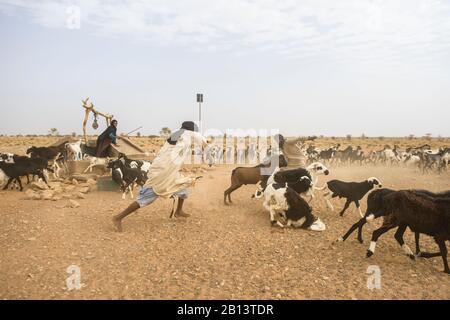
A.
pixel 347 30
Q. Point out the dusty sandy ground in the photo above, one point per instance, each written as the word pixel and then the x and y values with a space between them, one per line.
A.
pixel 220 252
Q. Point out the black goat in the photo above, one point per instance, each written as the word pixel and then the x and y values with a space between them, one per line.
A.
pixel 23 168
pixel 54 154
pixel 422 214
pixel 351 191
pixel 374 204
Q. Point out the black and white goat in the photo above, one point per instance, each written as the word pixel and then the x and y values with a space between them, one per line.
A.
pixel 135 164
pixel 7 157
pixel 351 191
pixel 296 179
pixel 284 202
pixel 126 177
pixel 421 213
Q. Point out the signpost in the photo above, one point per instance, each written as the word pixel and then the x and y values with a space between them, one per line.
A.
pixel 200 100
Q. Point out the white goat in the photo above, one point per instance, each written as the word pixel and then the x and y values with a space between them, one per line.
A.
pixel 94 161
pixel 74 149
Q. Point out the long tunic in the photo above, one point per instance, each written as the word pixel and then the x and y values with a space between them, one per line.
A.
pixel 164 176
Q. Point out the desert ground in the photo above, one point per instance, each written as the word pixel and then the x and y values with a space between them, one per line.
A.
pixel 220 252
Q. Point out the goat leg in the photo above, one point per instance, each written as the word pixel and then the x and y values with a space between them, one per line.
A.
pixel 417 240
pixel 359 208
pixel 347 204
pixel 358 225
pixel 443 249
pixel 124 188
pixel 399 237
pixel 375 235
pixel 7 184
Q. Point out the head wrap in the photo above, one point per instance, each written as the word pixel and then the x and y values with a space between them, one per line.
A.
pixel 186 125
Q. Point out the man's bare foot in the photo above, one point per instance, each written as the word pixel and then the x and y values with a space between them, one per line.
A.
pixel 117 223
pixel 181 214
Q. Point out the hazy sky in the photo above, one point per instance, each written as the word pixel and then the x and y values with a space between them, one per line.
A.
pixel 303 67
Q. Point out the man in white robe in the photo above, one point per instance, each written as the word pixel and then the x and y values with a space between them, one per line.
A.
pixel 164 177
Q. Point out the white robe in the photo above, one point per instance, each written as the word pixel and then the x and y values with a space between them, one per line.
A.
pixel 164 175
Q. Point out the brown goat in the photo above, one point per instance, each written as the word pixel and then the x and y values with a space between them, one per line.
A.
pixel 250 175
pixel 422 214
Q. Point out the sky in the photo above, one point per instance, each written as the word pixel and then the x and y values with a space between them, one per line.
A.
pixel 311 67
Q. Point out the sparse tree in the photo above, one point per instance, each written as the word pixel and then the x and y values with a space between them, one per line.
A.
pixel 348 137
pixel 363 136
pixel 138 134
pixel 53 132
pixel 411 136
pixel 428 136
pixel 165 132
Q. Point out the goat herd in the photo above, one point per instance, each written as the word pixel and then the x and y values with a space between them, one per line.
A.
pixel 283 190
pixel 41 160
pixel 421 211
pixel 423 158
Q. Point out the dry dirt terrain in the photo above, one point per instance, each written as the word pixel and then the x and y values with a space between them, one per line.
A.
pixel 220 252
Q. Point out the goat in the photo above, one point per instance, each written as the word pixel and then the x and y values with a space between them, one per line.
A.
pixel 295 179
pixel 74 149
pixel 136 164
pixel 252 175
pixel 422 214
pixel 126 177
pixel 351 191
pixel 53 154
pixel 38 163
pixel 23 168
pixel 94 161
pixel 7 157
pixel 374 203
pixel 293 209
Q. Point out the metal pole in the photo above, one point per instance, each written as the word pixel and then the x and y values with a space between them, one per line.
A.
pixel 200 116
